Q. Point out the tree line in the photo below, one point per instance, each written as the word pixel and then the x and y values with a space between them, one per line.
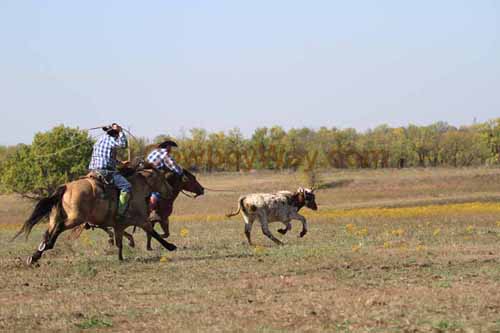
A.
pixel 439 144
pixel 63 153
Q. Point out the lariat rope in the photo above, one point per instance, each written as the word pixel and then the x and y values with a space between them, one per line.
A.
pixel 83 142
pixel 129 157
pixel 218 190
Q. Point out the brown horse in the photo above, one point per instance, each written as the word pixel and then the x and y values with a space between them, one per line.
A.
pixel 186 182
pixel 83 201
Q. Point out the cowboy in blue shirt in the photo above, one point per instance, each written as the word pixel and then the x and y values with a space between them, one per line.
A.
pixel 104 162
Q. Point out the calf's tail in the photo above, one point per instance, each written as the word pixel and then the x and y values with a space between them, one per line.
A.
pixel 240 208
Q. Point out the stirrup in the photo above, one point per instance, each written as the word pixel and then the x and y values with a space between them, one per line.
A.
pixel 154 217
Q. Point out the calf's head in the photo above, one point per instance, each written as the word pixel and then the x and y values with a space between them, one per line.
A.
pixel 308 197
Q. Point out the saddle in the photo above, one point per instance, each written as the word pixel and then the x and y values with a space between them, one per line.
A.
pixel 104 183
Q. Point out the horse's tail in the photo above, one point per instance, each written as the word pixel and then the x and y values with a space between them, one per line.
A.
pixel 240 207
pixel 42 210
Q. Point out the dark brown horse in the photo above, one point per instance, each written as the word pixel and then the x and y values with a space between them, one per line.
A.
pixel 187 182
pixel 84 201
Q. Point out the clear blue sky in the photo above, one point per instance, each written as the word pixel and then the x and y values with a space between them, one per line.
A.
pixel 164 66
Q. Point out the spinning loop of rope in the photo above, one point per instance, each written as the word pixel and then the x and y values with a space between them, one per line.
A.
pixel 83 142
pixel 129 156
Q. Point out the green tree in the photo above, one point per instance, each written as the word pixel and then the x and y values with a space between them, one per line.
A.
pixel 490 135
pixel 53 158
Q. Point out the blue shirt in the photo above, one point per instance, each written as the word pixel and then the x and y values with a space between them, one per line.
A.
pixel 104 153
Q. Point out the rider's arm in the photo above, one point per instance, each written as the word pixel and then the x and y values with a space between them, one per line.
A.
pixel 121 141
pixel 172 164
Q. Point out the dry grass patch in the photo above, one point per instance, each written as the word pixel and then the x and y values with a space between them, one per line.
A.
pixel 361 269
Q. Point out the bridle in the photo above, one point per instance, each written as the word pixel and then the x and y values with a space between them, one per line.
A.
pixel 187 194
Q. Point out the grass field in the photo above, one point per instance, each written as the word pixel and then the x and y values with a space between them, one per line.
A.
pixel 388 251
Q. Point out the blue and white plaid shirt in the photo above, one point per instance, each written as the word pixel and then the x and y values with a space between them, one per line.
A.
pixel 104 153
pixel 162 160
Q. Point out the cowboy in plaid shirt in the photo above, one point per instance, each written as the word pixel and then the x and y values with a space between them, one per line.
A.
pixel 104 162
pixel 160 158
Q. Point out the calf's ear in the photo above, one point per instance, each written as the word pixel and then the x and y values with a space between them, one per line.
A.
pixel 301 198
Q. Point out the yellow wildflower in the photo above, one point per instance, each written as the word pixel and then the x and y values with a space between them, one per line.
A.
pixel 259 250
pixel 184 232
pixel 420 248
pixel 362 232
pixel 350 228
pixel 398 232
pixel 436 232
pixel 356 248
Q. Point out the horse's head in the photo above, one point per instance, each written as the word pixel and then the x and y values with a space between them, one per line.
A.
pixel 190 183
pixel 186 182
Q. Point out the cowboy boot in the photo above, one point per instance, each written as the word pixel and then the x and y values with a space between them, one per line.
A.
pixel 123 205
pixel 153 205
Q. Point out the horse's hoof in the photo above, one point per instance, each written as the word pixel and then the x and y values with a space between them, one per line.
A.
pixel 132 245
pixel 302 234
pixel 282 231
pixel 29 260
pixel 42 246
pixel 165 236
pixel 171 247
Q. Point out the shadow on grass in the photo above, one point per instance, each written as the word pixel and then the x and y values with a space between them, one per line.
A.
pixel 157 258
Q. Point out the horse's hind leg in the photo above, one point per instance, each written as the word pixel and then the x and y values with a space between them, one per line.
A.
pixel 111 235
pixel 119 241
pixel 56 227
pixel 48 237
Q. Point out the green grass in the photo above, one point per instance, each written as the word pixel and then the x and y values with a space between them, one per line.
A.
pixel 93 323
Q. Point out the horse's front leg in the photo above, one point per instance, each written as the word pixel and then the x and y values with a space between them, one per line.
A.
pixel 164 223
pixel 148 228
pixel 148 239
pixel 130 238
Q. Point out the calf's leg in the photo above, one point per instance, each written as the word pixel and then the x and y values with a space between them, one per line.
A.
pixel 287 228
pixel 304 224
pixel 265 229
pixel 248 228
